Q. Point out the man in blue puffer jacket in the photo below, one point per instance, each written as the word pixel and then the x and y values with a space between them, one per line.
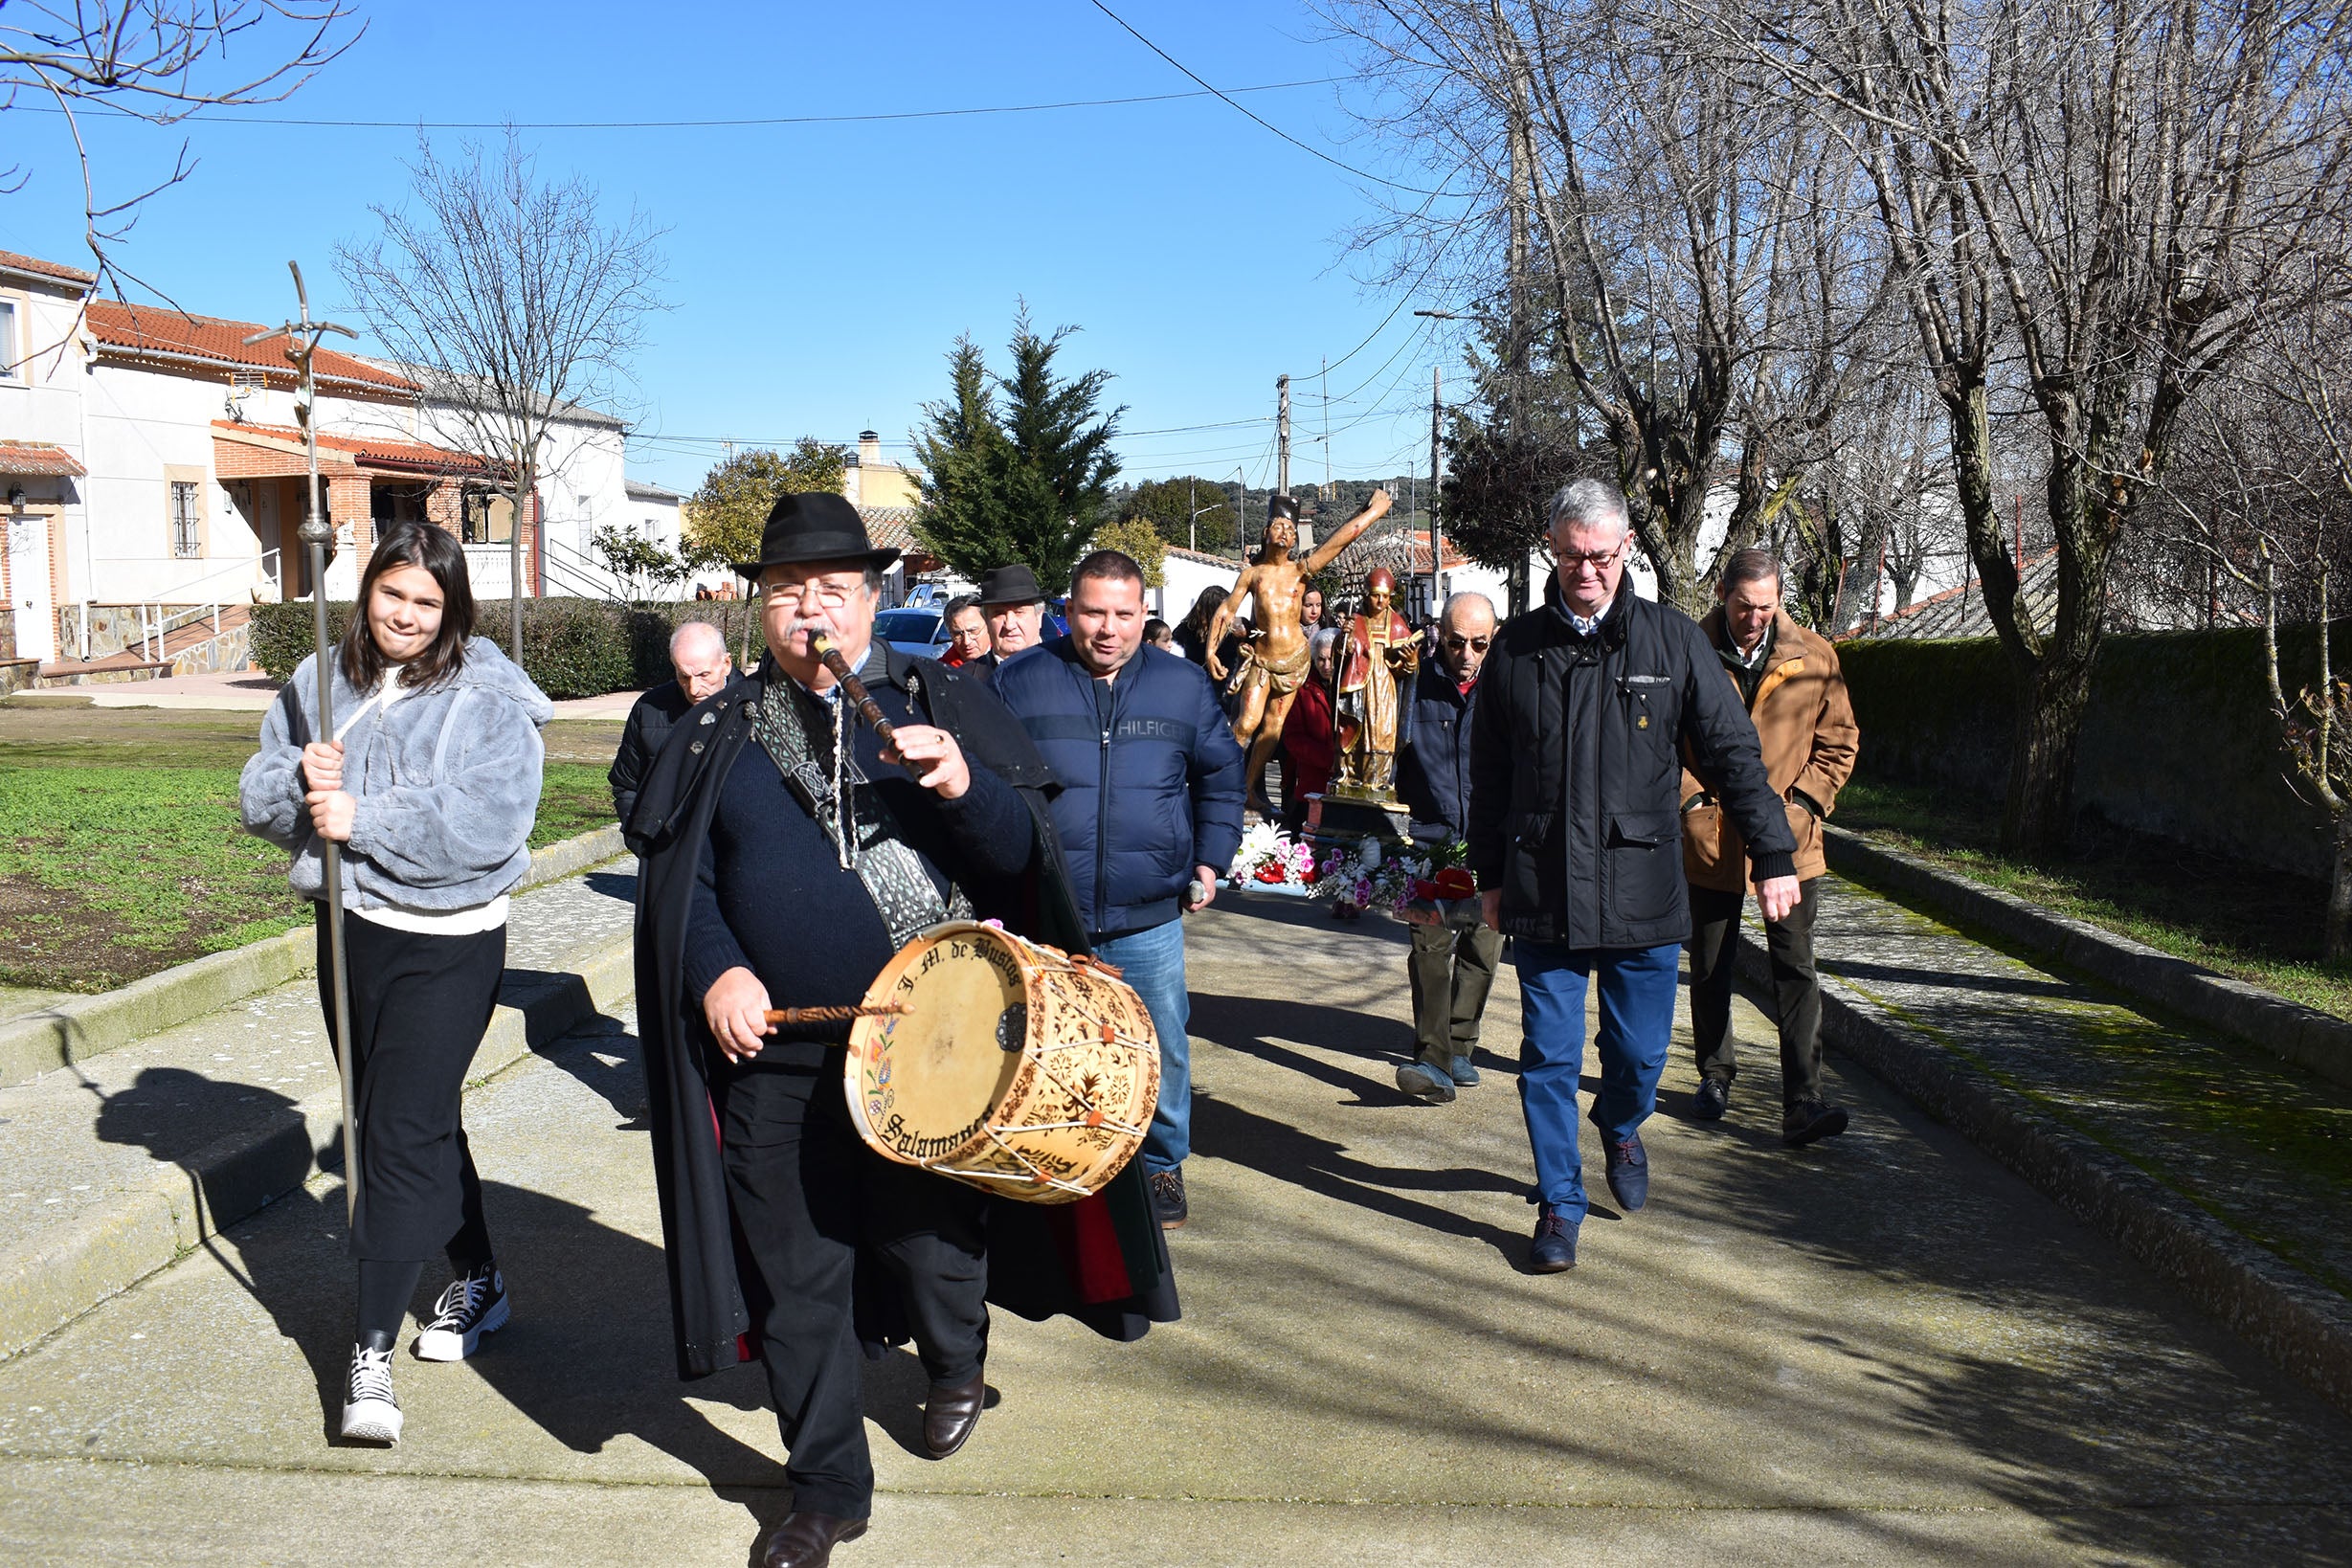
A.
pixel 1149 813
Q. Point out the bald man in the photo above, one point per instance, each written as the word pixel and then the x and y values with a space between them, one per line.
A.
pixel 699 659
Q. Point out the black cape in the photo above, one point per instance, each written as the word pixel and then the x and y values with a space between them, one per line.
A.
pixel 1102 1259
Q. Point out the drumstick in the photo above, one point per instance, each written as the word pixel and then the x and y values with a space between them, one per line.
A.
pixel 832 1015
pixel 867 708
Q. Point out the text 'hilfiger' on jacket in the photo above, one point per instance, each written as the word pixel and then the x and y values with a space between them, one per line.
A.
pixel 1150 772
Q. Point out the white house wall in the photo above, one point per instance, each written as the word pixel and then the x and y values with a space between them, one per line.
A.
pixel 41 402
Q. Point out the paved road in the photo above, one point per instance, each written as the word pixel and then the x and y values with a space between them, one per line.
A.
pixel 1886 1350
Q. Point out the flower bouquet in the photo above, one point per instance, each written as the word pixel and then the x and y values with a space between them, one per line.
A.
pixel 1273 861
pixel 1369 877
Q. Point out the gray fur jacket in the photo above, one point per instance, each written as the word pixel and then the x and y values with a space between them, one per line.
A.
pixel 446 785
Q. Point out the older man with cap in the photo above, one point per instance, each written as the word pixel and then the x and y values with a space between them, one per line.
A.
pixel 791 852
pixel 700 662
pixel 1012 606
pixel 1587 709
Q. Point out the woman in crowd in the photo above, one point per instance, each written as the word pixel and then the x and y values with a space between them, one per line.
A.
pixel 429 783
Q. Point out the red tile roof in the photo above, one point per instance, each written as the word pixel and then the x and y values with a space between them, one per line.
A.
pixel 140 330
pixel 10 261
pixel 374 451
pixel 39 458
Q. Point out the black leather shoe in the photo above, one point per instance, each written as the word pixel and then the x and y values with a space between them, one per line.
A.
pixel 1714 1098
pixel 1809 1121
pixel 806 1540
pixel 949 1413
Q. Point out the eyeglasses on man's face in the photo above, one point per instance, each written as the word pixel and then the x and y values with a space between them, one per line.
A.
pixel 830 592
pixel 1600 560
pixel 1456 642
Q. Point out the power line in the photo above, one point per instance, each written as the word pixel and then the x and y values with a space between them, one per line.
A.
pixel 1206 91
pixel 1318 152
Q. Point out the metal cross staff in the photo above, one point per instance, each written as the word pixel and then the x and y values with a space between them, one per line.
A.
pixel 302 343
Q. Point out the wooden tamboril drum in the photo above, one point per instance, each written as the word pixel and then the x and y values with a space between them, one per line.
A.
pixel 1005 1064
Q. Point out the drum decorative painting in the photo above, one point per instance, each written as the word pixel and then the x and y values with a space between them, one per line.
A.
pixel 1003 1064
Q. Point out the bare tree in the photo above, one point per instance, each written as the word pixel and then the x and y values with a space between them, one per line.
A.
pixel 158 61
pixel 2107 192
pixel 507 298
pixel 2258 528
pixel 1679 225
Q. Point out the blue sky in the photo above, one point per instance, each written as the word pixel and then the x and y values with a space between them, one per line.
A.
pixel 820 272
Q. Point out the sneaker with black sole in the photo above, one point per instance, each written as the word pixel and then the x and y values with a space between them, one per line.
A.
pixel 370 1414
pixel 474 1305
pixel 1630 1174
pixel 1168 1205
pixel 1553 1250
pixel 1713 1099
pixel 1425 1082
pixel 1809 1121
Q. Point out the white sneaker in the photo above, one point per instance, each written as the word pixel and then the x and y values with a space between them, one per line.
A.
pixel 369 1412
pixel 469 1308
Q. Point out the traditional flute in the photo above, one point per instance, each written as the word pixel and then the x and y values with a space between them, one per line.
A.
pixel 832 1015
pixel 854 688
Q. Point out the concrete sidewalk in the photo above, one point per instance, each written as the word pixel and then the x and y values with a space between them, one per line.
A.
pixel 116 1165
pixel 1883 1349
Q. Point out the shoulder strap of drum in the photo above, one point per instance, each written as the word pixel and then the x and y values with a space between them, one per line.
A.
pixel 866 833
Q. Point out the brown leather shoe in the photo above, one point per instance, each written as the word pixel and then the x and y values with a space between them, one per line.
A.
pixel 806 1540
pixel 950 1415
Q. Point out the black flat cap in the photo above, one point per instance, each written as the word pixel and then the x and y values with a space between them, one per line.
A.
pixel 814 526
pixel 1014 584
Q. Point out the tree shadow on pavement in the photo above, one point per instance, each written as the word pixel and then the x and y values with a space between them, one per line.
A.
pixel 1223 1131
pixel 587 1356
pixel 1253 1024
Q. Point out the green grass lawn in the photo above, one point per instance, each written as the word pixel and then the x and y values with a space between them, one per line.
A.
pixel 120 852
pixel 2249 921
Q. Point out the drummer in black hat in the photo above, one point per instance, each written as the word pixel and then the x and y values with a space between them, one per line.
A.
pixel 790 855
pixel 1014 607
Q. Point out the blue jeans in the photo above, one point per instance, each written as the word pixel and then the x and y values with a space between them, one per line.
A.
pixel 1152 962
pixel 1637 1023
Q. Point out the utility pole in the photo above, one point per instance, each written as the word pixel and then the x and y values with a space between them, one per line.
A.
pixel 1192 504
pixel 1327 430
pixel 1522 152
pixel 1435 559
pixel 1282 434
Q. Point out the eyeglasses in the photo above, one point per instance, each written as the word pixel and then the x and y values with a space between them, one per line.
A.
pixel 1478 643
pixel 832 594
pixel 1597 560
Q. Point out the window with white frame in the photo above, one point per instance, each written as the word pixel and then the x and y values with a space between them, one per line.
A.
pixel 187 525
pixel 10 350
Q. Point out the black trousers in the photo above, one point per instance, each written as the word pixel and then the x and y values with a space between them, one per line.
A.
pixel 806 1193
pixel 419 1007
pixel 1451 971
pixel 1796 988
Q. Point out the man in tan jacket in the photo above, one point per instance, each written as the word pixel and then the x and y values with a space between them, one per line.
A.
pixel 1788 677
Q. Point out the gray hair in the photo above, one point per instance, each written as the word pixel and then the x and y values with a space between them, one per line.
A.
pixel 695 630
pixel 1590 504
pixel 1321 640
pixel 1465 600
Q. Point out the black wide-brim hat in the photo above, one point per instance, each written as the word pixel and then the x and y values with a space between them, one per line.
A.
pixel 814 526
pixel 1014 584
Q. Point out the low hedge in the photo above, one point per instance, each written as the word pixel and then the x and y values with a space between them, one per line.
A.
pixel 570 647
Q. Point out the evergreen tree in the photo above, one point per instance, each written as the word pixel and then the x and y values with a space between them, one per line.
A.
pixel 1017 468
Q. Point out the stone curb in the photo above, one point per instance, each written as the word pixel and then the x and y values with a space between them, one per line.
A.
pixel 88 1026
pixel 120 1243
pixel 2302 1035
pixel 2299 1324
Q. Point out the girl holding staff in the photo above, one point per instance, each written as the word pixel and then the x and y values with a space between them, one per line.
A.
pixel 429 784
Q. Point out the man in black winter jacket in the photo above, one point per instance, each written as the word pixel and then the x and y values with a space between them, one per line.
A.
pixel 1451 969
pixel 699 659
pixel 1150 804
pixel 1575 839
